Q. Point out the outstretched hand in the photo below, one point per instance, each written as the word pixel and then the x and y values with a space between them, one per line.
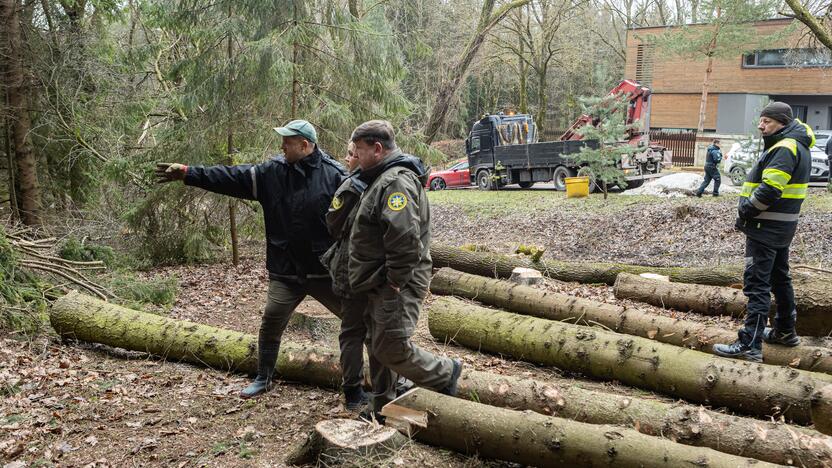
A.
pixel 168 172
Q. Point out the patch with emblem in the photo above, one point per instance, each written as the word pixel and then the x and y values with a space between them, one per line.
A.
pixel 396 201
pixel 336 203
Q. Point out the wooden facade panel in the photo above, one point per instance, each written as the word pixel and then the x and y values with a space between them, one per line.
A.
pixel 682 75
pixel 681 110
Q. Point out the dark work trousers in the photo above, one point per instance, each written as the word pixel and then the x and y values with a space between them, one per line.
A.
pixel 392 318
pixel 766 272
pixel 711 173
pixel 353 334
pixel 283 298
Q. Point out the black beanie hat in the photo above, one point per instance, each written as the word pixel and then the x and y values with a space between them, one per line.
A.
pixel 779 111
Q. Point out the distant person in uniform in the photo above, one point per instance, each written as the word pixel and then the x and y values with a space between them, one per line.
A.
pixel 712 160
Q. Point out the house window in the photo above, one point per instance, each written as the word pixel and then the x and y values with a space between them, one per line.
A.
pixel 784 58
pixel 800 112
pixel 644 64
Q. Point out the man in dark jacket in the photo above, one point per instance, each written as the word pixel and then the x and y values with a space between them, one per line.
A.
pixel 295 190
pixel 712 160
pixel 769 207
pixel 389 261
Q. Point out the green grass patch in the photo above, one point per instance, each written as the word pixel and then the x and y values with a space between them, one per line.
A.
pixel 818 202
pixel 504 203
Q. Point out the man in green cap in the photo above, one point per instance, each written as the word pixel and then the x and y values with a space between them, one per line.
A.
pixel 295 190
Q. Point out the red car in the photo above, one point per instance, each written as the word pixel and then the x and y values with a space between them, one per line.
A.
pixel 455 176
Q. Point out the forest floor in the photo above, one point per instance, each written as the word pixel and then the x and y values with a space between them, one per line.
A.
pixel 76 404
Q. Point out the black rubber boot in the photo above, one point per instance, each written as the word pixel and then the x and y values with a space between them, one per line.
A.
pixel 266 361
pixel 355 398
pixel 738 350
pixel 784 338
pixel 451 389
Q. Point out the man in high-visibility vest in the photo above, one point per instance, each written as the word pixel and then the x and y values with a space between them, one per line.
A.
pixel 768 210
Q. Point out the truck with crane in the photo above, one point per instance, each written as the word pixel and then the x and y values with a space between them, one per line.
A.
pixel 505 149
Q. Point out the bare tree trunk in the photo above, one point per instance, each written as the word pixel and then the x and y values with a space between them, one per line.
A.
pixel 802 14
pixel 703 103
pixel 7 146
pixel 295 81
pixel 232 204
pixel 444 99
pixel 521 63
pixel 542 102
pixel 30 196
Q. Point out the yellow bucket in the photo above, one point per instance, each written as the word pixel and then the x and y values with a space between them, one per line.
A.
pixel 577 187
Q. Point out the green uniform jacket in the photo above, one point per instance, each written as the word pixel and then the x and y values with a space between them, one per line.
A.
pixel 390 237
pixel 339 219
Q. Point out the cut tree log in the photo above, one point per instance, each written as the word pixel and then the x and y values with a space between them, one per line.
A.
pixel 759 389
pixel 812 294
pixel 85 318
pixel 553 306
pixel 342 441
pixel 533 439
pixel 684 423
pixel 500 266
pixel 81 316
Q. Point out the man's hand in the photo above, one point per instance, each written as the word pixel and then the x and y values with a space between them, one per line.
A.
pixel 168 172
pixel 746 210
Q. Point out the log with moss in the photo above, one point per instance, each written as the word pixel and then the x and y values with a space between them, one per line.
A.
pixel 500 266
pixel 532 439
pixel 757 389
pixel 553 306
pixel 812 295
pixel 89 319
pixel 85 318
pixel 684 423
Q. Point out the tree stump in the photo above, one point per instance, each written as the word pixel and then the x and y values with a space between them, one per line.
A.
pixel 526 276
pixel 336 441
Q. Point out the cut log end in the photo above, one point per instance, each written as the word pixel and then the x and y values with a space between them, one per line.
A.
pixel 526 276
pixel 343 440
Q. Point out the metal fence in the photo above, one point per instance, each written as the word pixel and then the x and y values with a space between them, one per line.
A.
pixel 683 145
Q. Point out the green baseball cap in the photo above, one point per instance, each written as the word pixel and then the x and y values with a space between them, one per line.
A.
pixel 298 128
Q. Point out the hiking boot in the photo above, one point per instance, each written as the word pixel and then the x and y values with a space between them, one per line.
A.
pixel 785 338
pixel 403 386
pixel 260 386
pixel 716 194
pixel 738 350
pixel 355 398
pixel 451 389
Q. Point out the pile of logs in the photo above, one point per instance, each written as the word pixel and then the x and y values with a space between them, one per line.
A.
pixel 773 413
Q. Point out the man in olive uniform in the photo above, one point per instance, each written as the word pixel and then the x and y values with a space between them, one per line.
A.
pixel 295 190
pixel 389 260
pixel 769 207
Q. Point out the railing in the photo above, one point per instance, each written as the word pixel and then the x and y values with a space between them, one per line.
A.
pixel 683 145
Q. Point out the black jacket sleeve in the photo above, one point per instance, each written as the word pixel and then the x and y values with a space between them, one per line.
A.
pixel 237 181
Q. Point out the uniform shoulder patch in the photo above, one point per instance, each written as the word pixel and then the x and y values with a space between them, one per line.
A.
pixel 396 201
pixel 337 203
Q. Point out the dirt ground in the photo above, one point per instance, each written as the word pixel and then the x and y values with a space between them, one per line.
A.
pixel 76 404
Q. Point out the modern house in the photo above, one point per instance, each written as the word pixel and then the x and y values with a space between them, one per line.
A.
pixel 740 85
